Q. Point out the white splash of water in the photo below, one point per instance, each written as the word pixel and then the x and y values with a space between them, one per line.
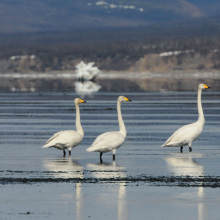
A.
pixel 86 71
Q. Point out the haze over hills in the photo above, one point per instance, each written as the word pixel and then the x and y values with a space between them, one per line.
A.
pixel 57 15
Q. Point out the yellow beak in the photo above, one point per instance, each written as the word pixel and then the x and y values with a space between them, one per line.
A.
pixel 207 87
pixel 128 100
pixel 82 101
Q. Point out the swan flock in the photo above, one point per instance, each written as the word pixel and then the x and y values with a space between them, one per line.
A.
pixel 111 141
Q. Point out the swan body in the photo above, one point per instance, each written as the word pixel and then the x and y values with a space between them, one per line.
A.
pixel 188 133
pixel 68 139
pixel 107 142
pixel 111 141
pixel 184 135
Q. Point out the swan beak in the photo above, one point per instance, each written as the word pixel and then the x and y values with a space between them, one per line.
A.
pixel 127 100
pixel 207 87
pixel 82 101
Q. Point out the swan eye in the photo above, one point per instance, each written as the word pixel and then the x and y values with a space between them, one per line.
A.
pixel 206 87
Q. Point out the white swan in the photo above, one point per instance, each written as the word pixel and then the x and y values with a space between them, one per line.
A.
pixel 111 141
pixel 188 133
pixel 68 139
pixel 86 71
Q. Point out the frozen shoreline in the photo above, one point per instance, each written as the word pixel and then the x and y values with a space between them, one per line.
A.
pixel 108 81
pixel 113 75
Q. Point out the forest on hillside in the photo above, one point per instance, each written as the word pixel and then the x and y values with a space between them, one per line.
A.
pixel 114 50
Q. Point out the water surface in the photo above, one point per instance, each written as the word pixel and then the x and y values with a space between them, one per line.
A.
pixel 137 184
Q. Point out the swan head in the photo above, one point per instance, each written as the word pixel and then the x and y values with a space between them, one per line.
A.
pixel 78 101
pixel 123 99
pixel 203 86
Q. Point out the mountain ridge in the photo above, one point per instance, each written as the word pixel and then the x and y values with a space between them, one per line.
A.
pixel 44 15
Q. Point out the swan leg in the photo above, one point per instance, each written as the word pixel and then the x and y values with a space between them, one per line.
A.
pixel 190 149
pixel 114 151
pixel 64 153
pixel 181 149
pixel 70 152
pixel 101 157
pixel 114 157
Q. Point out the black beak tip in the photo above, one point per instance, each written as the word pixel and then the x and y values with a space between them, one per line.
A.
pixel 84 102
pixel 209 87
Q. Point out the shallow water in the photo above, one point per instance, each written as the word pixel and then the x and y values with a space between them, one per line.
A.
pixel 100 201
pixel 135 185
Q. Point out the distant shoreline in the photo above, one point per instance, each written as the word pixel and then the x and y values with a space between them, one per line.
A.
pixel 115 75
pixel 107 81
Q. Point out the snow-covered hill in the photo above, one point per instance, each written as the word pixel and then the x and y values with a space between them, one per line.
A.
pixel 54 15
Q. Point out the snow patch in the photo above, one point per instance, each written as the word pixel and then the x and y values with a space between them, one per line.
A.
pixel 19 57
pixel 113 6
pixel 171 53
pixel 101 3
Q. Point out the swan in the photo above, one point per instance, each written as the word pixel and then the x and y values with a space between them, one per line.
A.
pixel 111 141
pixel 68 139
pixel 188 133
pixel 86 71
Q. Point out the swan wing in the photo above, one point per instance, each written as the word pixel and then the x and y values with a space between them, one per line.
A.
pixel 184 135
pixel 53 137
pixel 66 138
pixel 100 137
pixel 107 142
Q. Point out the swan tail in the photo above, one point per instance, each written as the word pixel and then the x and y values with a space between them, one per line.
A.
pixel 164 145
pixel 89 149
pixel 172 144
pixel 103 149
pixel 46 146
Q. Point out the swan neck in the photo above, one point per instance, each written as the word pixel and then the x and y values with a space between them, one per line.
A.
pixel 122 128
pixel 79 128
pixel 200 111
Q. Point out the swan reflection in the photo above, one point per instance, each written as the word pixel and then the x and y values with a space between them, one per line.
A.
pixel 68 168
pixel 111 170
pixel 86 87
pixel 184 166
pixel 189 167
pixel 64 167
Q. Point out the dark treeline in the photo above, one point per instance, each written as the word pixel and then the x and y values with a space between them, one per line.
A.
pixel 115 49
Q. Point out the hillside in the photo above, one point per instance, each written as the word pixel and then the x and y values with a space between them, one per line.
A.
pixel 56 15
pixel 118 52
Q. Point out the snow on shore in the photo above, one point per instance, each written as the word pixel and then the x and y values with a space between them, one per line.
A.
pixel 112 75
